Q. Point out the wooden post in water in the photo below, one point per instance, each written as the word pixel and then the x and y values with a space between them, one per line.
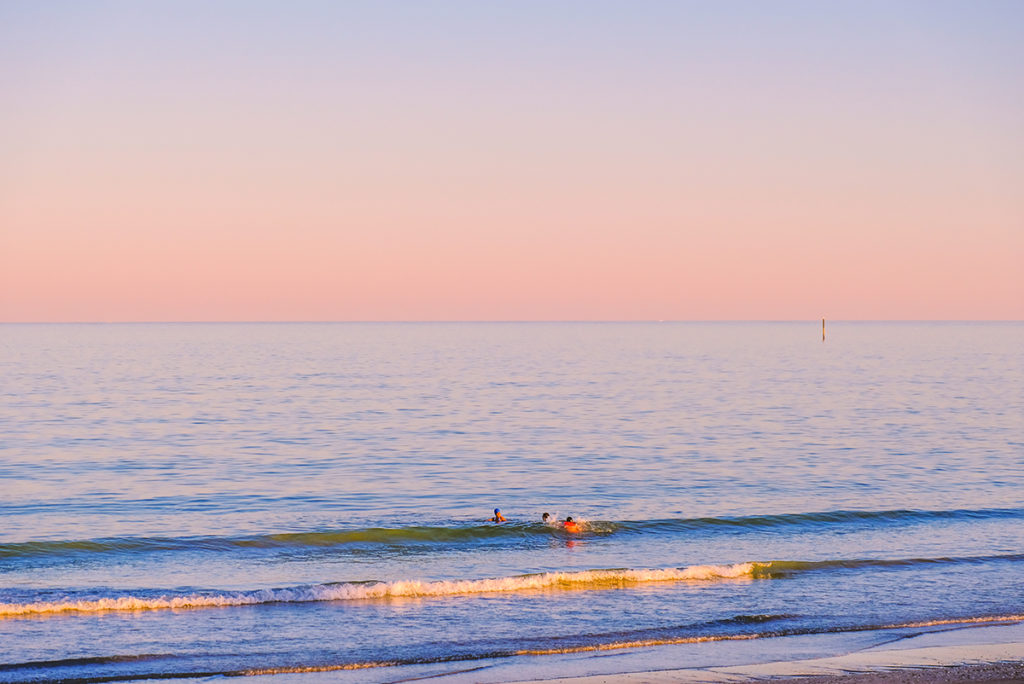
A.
pixel 822 329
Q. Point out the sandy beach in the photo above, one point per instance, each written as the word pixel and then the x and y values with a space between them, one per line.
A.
pixel 954 653
pixel 994 673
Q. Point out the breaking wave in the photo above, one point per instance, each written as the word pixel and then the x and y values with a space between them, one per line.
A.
pixel 547 581
pixel 350 591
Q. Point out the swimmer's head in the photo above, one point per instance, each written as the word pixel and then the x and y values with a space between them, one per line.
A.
pixel 497 511
pixel 568 519
pixel 545 517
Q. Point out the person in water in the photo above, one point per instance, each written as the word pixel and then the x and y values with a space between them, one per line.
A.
pixel 498 517
pixel 570 525
pixel 546 518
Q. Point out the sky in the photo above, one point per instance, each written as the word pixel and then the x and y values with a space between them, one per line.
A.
pixel 239 160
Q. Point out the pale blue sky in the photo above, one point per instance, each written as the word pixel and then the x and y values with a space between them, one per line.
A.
pixel 558 159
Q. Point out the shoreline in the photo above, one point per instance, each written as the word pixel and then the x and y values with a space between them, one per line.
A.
pixel 992 673
pixel 956 653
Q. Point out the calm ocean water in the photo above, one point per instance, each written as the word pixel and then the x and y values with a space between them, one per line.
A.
pixel 202 499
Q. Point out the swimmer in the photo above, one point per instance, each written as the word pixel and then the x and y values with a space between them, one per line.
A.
pixel 570 525
pixel 546 518
pixel 498 517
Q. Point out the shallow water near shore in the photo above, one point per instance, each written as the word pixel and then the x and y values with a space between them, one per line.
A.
pixel 200 499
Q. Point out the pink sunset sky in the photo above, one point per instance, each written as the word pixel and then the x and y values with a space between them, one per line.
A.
pixel 255 161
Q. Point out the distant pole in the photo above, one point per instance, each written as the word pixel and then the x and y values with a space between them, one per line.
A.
pixel 822 329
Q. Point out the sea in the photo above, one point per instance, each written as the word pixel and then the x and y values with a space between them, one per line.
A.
pixel 311 501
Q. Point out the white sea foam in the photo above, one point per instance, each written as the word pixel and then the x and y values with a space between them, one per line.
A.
pixel 380 590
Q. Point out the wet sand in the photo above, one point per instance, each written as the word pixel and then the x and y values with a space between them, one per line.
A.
pixel 996 673
pixel 990 673
pixel 991 653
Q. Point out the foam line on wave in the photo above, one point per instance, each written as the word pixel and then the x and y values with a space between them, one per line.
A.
pixel 349 591
pixel 548 581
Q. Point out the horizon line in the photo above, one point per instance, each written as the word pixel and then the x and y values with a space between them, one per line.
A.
pixel 519 321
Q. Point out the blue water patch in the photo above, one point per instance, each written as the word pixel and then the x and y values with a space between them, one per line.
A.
pixel 193 499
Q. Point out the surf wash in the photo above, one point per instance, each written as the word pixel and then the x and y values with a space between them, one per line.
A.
pixel 549 581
